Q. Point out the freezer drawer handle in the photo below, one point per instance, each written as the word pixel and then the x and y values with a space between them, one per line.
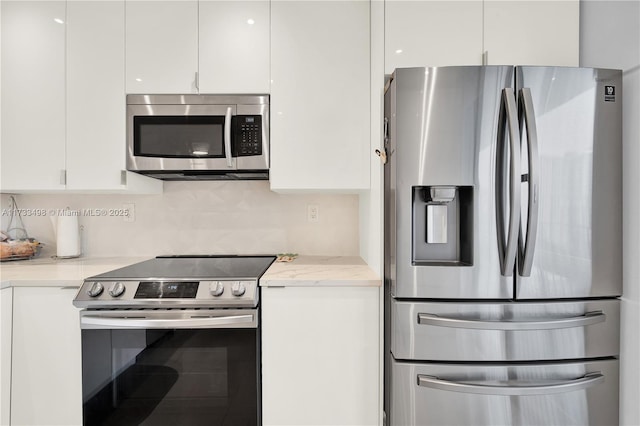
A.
pixel 589 318
pixel 512 388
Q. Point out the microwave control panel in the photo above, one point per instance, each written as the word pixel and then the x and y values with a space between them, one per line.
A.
pixel 248 135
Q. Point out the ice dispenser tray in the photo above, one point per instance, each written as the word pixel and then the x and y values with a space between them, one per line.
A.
pixel 443 225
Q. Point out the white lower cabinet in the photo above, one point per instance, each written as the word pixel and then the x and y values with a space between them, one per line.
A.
pixel 6 295
pixel 46 379
pixel 320 356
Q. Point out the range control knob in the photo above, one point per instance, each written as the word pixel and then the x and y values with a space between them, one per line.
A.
pixel 238 288
pixel 95 290
pixel 216 288
pixel 117 290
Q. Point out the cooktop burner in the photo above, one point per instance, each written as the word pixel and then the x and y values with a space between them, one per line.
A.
pixel 186 281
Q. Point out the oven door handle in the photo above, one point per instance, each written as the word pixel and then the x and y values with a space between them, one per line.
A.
pixel 133 322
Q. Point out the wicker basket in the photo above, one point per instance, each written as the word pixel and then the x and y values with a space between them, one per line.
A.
pixel 16 243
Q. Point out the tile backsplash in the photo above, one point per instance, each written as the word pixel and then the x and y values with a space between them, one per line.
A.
pixel 242 217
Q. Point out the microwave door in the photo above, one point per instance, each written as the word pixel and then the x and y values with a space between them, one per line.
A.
pixel 180 138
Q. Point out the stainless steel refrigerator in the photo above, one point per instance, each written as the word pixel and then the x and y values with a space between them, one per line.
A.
pixel 503 246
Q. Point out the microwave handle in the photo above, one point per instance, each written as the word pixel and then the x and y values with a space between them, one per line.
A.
pixel 227 137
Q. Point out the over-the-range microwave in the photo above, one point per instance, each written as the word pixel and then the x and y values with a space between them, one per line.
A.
pixel 198 137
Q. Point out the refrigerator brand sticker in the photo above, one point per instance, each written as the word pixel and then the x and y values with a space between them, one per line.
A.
pixel 609 93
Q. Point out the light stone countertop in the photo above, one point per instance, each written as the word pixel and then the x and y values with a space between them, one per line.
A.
pixel 46 271
pixel 326 271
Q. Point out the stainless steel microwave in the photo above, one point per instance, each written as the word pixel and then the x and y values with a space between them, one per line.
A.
pixel 196 137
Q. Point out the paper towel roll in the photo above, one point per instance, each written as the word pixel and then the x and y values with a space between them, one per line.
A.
pixel 68 235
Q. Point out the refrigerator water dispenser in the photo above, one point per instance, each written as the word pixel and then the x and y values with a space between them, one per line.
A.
pixel 443 225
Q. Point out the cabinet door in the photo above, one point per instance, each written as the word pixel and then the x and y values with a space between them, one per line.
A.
pixel 95 94
pixel 320 356
pixel 161 46
pixel 96 106
pixel 432 33
pixel 6 301
pixel 532 32
pixel 320 95
pixel 234 46
pixel 46 380
pixel 33 95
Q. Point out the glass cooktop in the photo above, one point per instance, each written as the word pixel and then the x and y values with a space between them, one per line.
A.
pixel 196 267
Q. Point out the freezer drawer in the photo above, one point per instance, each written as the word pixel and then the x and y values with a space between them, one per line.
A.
pixel 517 331
pixel 523 394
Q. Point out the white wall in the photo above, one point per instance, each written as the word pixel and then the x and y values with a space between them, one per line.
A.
pixel 610 38
pixel 242 217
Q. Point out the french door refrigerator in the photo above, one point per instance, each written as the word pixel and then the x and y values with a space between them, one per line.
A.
pixel 503 241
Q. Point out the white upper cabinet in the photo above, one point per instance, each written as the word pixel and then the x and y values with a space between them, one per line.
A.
pixel 63 102
pixel 500 32
pixel 95 71
pixel 432 33
pixel 96 107
pixel 538 32
pixel 234 46
pixel 320 95
pixel 161 46
pixel 189 46
pixel 32 144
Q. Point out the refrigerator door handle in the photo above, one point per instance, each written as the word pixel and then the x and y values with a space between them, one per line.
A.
pixel 508 117
pixel 526 116
pixel 588 318
pixel 512 388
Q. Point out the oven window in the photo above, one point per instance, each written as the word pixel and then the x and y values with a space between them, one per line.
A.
pixel 178 136
pixel 170 377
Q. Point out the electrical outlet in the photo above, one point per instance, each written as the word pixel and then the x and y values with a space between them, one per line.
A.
pixel 130 212
pixel 312 213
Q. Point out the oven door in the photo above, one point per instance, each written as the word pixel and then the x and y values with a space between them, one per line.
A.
pixel 180 137
pixel 173 367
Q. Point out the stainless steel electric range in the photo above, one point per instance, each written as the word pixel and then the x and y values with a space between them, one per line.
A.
pixel 173 340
